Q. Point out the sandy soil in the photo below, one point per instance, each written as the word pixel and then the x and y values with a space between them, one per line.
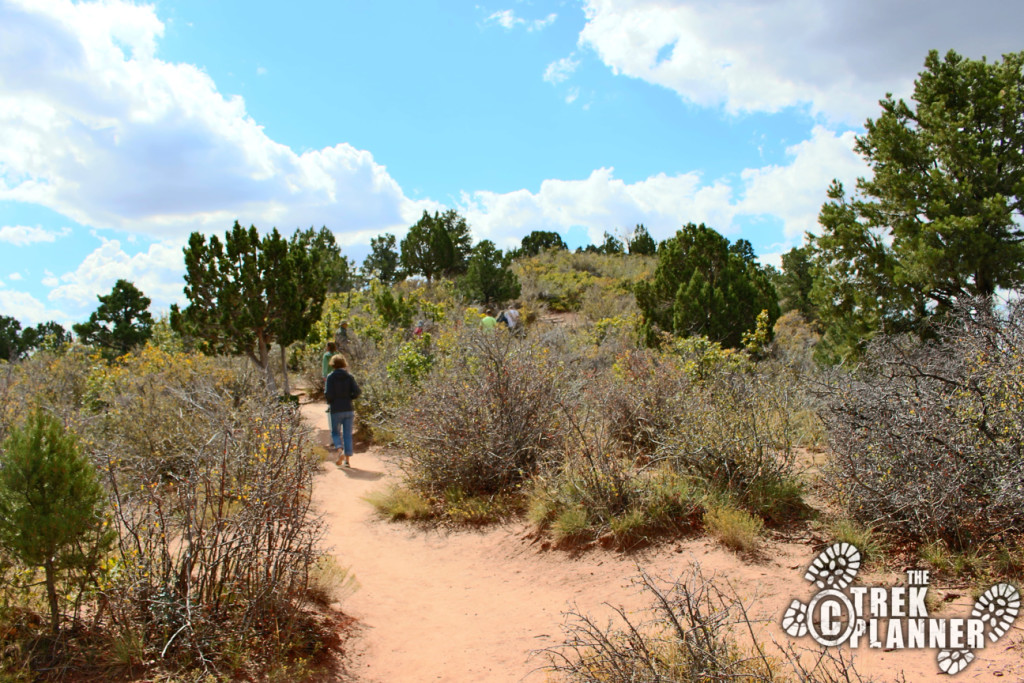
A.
pixel 460 606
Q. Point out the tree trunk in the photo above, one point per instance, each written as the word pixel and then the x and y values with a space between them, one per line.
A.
pixel 51 593
pixel 264 363
pixel 284 370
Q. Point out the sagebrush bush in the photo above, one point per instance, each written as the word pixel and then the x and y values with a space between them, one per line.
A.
pixel 592 489
pixel 643 398
pixel 732 428
pixel 211 486
pixel 926 436
pixel 482 420
pixel 208 481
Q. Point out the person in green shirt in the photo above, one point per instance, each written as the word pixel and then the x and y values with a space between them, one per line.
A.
pixel 488 320
pixel 325 361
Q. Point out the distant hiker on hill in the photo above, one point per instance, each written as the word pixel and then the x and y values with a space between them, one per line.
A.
pixel 341 336
pixel 340 391
pixel 511 317
pixel 487 320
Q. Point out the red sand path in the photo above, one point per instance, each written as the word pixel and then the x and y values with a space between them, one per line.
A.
pixel 473 606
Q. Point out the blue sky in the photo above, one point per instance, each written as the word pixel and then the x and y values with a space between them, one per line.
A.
pixel 126 126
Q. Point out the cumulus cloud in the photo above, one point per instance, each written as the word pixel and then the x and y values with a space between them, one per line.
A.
pixel 793 193
pixel 29 310
pixel 15 277
pixel 94 126
pixel 158 272
pixel 560 71
pixel 24 235
pixel 838 57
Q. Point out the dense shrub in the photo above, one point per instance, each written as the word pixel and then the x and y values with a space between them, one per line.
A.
pixel 928 437
pixel 713 414
pixel 481 420
pixel 642 399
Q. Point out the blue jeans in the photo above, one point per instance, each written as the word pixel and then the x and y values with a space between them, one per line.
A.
pixel 342 422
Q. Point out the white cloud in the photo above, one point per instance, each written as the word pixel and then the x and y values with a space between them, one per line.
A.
pixel 28 309
pixel 541 24
pixel 158 272
pixel 792 193
pixel 838 57
pixel 94 126
pixel 24 235
pixel 15 277
pixel 599 203
pixel 49 279
pixel 572 96
pixel 505 18
pixel 795 193
pixel 560 71
pixel 508 20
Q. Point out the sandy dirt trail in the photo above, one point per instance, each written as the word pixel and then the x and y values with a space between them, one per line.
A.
pixel 473 606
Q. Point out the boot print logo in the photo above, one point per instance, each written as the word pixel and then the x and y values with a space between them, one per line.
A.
pixel 894 618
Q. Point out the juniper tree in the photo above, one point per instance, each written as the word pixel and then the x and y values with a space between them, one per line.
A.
pixel 703 285
pixel 121 322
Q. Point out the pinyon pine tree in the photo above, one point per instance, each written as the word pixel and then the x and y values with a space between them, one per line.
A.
pixel 51 504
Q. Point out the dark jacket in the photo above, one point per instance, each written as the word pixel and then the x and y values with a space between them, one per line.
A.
pixel 340 390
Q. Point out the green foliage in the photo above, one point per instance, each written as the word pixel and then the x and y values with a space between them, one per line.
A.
pixel 641 242
pixel 939 219
pixel 736 529
pixel 488 279
pixel 437 245
pixel 382 261
pixel 704 285
pixel 795 283
pixel 393 308
pixel 247 292
pixel 52 507
pixel 414 361
pixel 10 338
pixel 15 343
pixel 538 242
pixel 611 245
pixel 567 281
pixel 121 322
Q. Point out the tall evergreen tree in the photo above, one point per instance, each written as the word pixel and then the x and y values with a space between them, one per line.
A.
pixel 247 292
pixel 121 322
pixel 940 218
pixel 795 282
pixel 704 286
pixel 10 338
pixel 437 245
pixel 641 242
pixel 382 262
pixel 488 279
